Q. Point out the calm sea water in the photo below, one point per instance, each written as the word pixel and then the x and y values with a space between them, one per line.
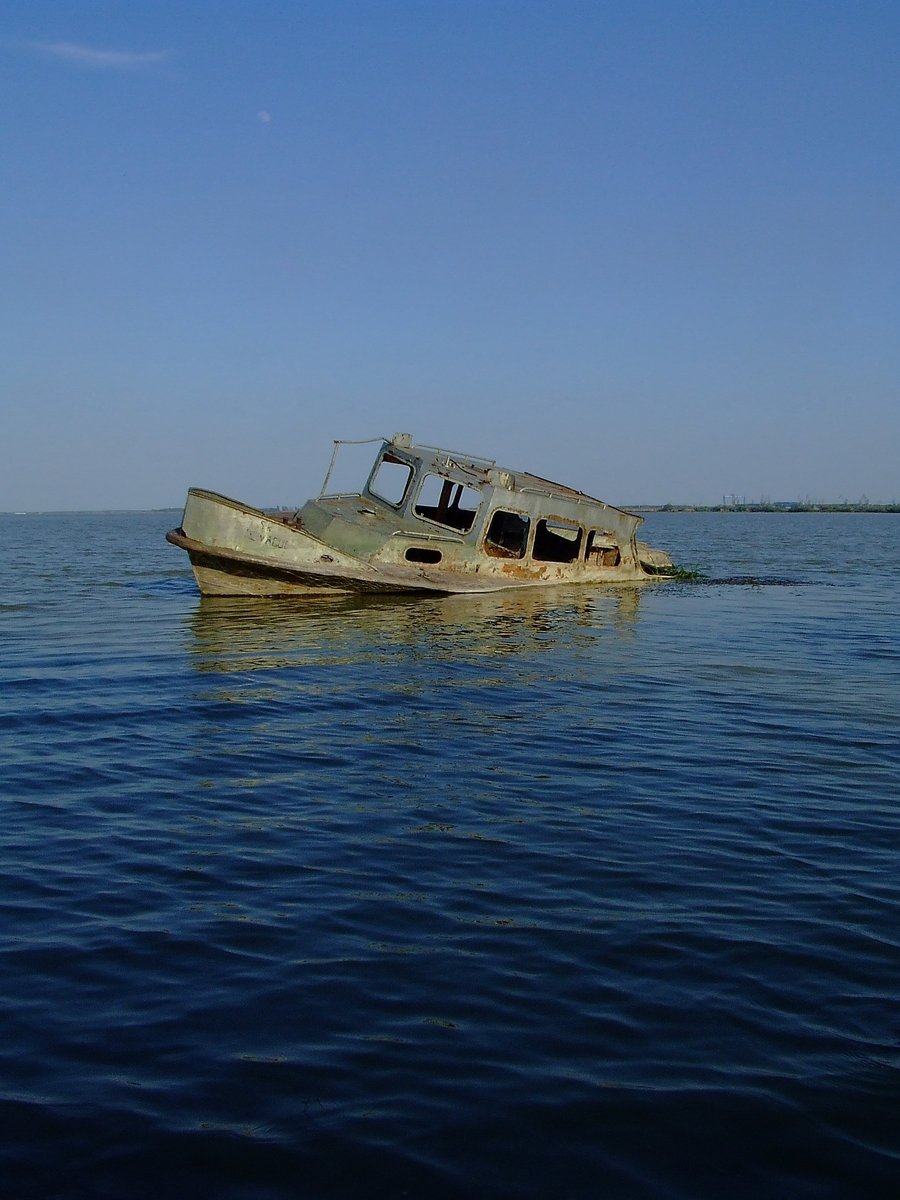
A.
pixel 582 893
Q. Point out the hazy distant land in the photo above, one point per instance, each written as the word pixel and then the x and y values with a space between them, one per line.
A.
pixel 787 506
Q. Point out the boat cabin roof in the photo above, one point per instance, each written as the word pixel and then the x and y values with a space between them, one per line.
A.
pixel 479 472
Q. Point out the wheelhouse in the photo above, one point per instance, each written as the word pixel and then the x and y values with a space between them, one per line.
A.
pixel 438 497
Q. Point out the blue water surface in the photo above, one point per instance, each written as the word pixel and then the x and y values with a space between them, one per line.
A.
pixel 563 893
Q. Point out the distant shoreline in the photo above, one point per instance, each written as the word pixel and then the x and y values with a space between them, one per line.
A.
pixel 799 507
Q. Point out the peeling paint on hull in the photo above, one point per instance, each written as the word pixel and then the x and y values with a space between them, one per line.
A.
pixel 221 572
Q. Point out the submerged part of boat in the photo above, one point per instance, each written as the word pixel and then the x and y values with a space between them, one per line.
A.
pixel 426 520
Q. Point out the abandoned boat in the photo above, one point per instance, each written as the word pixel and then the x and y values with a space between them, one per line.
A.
pixel 426 520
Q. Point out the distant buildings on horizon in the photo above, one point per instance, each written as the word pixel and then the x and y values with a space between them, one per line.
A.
pixel 741 504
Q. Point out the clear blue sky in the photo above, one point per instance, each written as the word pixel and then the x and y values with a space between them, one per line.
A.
pixel 648 248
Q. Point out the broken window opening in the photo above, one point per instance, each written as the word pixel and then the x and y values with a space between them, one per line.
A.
pixel 423 554
pixel 391 479
pixel 602 550
pixel 557 541
pixel 447 502
pixel 507 535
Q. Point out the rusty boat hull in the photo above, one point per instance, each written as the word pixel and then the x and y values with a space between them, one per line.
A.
pixel 425 521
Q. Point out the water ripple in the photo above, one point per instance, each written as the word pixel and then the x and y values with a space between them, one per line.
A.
pixel 569 893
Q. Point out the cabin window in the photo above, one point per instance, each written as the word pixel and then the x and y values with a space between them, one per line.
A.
pixel 557 541
pixel 423 554
pixel 507 535
pixel 602 549
pixel 448 503
pixel 391 479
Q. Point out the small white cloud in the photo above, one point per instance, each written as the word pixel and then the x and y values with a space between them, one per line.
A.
pixel 103 60
pixel 263 116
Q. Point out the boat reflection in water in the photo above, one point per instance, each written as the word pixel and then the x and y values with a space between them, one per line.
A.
pixel 250 634
pixel 379 700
